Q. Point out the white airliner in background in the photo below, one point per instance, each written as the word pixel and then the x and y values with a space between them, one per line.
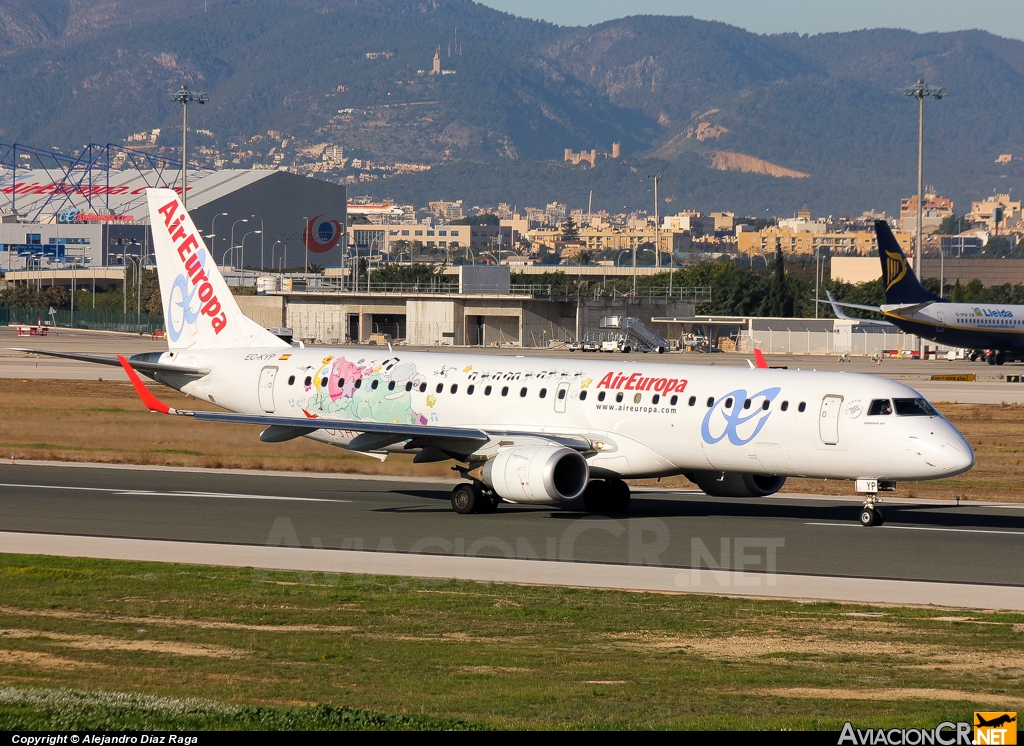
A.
pixel 532 429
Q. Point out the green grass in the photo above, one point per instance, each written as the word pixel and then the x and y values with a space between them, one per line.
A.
pixel 106 644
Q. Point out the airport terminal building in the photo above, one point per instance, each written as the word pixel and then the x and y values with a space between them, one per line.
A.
pixel 252 218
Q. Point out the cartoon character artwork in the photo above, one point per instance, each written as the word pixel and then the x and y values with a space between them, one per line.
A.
pixel 379 391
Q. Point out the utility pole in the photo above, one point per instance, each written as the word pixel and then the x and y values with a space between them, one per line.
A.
pixel 920 91
pixel 185 97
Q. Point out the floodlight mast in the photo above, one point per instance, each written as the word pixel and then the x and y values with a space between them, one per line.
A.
pixel 921 91
pixel 185 97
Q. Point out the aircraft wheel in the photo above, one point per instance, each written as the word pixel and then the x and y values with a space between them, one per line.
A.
pixel 1000 357
pixel 595 496
pixel 466 498
pixel 488 503
pixel 618 496
pixel 880 516
pixel 990 358
pixel 869 517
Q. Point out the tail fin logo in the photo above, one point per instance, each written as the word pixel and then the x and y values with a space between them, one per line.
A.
pixel 323 236
pixel 182 309
pixel 895 268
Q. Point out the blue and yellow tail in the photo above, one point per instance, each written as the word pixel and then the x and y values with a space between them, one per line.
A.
pixel 900 283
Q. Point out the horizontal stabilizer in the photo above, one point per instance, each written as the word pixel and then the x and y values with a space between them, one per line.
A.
pixel 899 308
pixel 140 365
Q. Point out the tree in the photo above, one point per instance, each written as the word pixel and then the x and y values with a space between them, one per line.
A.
pixel 582 258
pixel 484 218
pixel 952 225
pixel 570 231
pixel 780 302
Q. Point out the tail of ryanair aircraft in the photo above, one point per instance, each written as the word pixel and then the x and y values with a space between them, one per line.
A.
pixel 900 283
pixel 199 310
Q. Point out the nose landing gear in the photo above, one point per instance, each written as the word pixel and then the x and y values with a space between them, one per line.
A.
pixel 870 513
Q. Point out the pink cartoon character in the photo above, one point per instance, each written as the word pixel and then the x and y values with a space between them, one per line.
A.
pixel 343 377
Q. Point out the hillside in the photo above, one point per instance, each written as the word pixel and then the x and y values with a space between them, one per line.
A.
pixel 746 121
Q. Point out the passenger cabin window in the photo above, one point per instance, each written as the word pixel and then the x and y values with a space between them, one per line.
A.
pixel 914 408
pixel 423 387
pixel 543 393
pixel 391 385
pixel 455 387
pixel 802 407
pixel 655 399
pixel 470 389
pixel 879 407
pixel 323 382
pixel 728 403
pixel 746 404
pixel 675 398
pixel 785 406
pixel 711 402
pixel 291 380
pixel 583 395
pixel 487 391
pixel 637 398
pixel 374 385
pixel 765 404
pixel 341 383
pixel 618 397
pixel 504 390
pixel 522 391
pixel 600 396
pixel 408 385
pixel 561 394
pixel 309 380
pixel 359 383
pixel 440 388
pixel 693 400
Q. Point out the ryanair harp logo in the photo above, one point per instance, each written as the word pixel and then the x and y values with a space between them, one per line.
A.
pixel 895 268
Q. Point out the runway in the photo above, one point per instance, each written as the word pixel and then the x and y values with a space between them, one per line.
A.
pixel 786 546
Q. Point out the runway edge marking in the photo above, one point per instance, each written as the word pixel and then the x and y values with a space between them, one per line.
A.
pixel 524 572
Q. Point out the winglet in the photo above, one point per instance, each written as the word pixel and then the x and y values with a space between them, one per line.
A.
pixel 759 357
pixel 151 402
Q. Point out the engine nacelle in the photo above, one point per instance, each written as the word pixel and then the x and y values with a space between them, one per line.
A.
pixel 731 484
pixel 537 474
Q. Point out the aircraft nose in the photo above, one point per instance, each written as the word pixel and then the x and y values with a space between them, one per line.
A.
pixel 957 454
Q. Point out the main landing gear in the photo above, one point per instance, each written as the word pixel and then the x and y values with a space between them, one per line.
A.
pixel 870 513
pixel 473 497
pixel 606 496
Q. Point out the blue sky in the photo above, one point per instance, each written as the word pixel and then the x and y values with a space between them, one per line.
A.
pixel 1002 17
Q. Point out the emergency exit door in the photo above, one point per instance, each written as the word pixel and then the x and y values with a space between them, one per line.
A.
pixel 267 376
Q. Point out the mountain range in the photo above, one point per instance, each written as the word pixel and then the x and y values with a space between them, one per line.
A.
pixel 732 120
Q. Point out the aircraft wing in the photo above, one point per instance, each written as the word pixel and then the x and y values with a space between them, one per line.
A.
pixel 141 365
pixel 833 302
pixel 905 307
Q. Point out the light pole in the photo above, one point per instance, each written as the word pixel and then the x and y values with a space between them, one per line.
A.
pixel 920 91
pixel 273 250
pixel 305 242
pixel 185 97
pixel 240 220
pixel 260 231
pixel 241 246
pixel 657 223
pixel 213 227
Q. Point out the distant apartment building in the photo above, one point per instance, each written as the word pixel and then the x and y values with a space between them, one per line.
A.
pixel 446 211
pixel 997 213
pixel 769 240
pixel 695 223
pixel 936 209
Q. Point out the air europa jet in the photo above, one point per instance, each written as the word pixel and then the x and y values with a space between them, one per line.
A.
pixel 534 430
pixel 976 326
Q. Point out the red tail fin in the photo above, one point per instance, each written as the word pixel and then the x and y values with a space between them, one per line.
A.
pixel 759 360
pixel 151 402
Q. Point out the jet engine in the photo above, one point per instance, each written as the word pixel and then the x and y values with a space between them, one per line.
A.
pixel 537 474
pixel 731 484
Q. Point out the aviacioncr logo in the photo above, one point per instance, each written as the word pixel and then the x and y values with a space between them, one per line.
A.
pixel 182 305
pixel 732 417
pixel 321 235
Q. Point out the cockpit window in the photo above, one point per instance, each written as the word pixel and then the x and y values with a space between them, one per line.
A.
pixel 879 406
pixel 914 408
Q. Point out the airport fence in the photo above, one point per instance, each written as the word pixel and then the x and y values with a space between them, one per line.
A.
pixel 109 321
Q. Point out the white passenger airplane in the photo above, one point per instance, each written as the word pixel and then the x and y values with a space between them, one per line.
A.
pixel 527 429
pixel 993 330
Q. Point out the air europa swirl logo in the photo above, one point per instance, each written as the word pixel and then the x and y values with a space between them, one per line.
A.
pixel 737 416
pixel 321 236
